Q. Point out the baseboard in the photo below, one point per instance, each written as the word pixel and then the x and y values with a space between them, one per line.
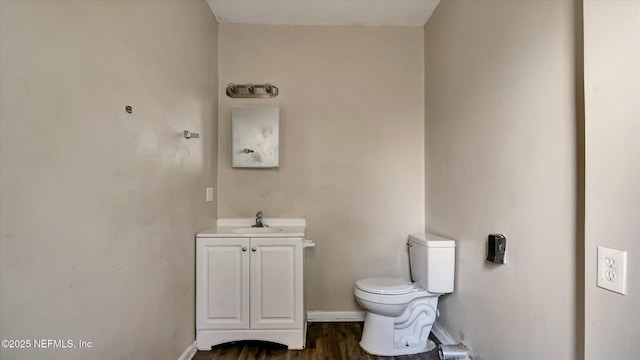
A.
pixel 442 335
pixel 335 316
pixel 189 352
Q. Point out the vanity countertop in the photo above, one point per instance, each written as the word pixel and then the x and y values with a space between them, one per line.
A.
pixel 278 227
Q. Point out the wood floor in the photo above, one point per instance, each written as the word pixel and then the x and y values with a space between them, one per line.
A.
pixel 325 341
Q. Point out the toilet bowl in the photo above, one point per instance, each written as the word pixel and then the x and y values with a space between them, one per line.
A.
pixel 398 321
pixel 400 313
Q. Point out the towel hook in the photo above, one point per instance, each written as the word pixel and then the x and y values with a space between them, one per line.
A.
pixel 190 135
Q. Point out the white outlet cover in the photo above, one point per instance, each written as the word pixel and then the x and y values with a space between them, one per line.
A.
pixel 209 193
pixel 612 270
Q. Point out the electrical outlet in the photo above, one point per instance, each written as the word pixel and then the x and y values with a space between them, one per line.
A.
pixel 612 270
pixel 209 193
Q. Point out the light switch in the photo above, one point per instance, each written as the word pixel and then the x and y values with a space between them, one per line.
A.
pixel 209 193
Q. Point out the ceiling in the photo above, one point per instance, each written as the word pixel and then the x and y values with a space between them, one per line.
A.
pixel 324 12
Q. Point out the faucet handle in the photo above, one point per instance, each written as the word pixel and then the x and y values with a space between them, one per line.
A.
pixel 259 215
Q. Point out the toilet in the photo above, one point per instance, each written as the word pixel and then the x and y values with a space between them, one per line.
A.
pixel 400 313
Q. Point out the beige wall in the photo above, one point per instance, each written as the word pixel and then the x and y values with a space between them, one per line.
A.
pixel 612 98
pixel 99 207
pixel 351 150
pixel 501 158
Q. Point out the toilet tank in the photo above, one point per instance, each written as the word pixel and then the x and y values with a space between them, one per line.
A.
pixel 432 261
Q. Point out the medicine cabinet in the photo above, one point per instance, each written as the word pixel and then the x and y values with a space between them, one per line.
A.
pixel 255 137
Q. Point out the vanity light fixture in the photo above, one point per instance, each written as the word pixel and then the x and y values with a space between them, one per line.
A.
pixel 261 91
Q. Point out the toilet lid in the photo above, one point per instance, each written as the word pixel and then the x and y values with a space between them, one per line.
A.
pixel 384 285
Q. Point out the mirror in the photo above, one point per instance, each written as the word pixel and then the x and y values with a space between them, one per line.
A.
pixel 255 137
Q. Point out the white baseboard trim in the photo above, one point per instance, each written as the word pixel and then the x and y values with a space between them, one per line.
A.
pixel 442 335
pixel 189 352
pixel 334 316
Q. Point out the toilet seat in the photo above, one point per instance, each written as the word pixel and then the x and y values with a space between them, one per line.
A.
pixel 385 286
pixel 381 290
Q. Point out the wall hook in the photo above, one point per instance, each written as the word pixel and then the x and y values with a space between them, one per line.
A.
pixel 190 135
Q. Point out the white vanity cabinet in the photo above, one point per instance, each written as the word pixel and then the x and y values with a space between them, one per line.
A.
pixel 250 288
pixel 222 283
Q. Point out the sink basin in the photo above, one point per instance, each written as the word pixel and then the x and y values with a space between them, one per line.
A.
pixel 257 230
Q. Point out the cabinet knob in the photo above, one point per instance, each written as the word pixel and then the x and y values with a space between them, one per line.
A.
pixel 253 249
pixel 244 248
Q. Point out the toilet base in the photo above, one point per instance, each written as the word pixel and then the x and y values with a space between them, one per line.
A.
pixel 403 335
pixel 429 345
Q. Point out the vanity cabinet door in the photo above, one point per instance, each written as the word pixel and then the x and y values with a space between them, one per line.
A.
pixel 222 283
pixel 276 283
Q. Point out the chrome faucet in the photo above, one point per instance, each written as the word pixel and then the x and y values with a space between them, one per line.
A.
pixel 259 222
